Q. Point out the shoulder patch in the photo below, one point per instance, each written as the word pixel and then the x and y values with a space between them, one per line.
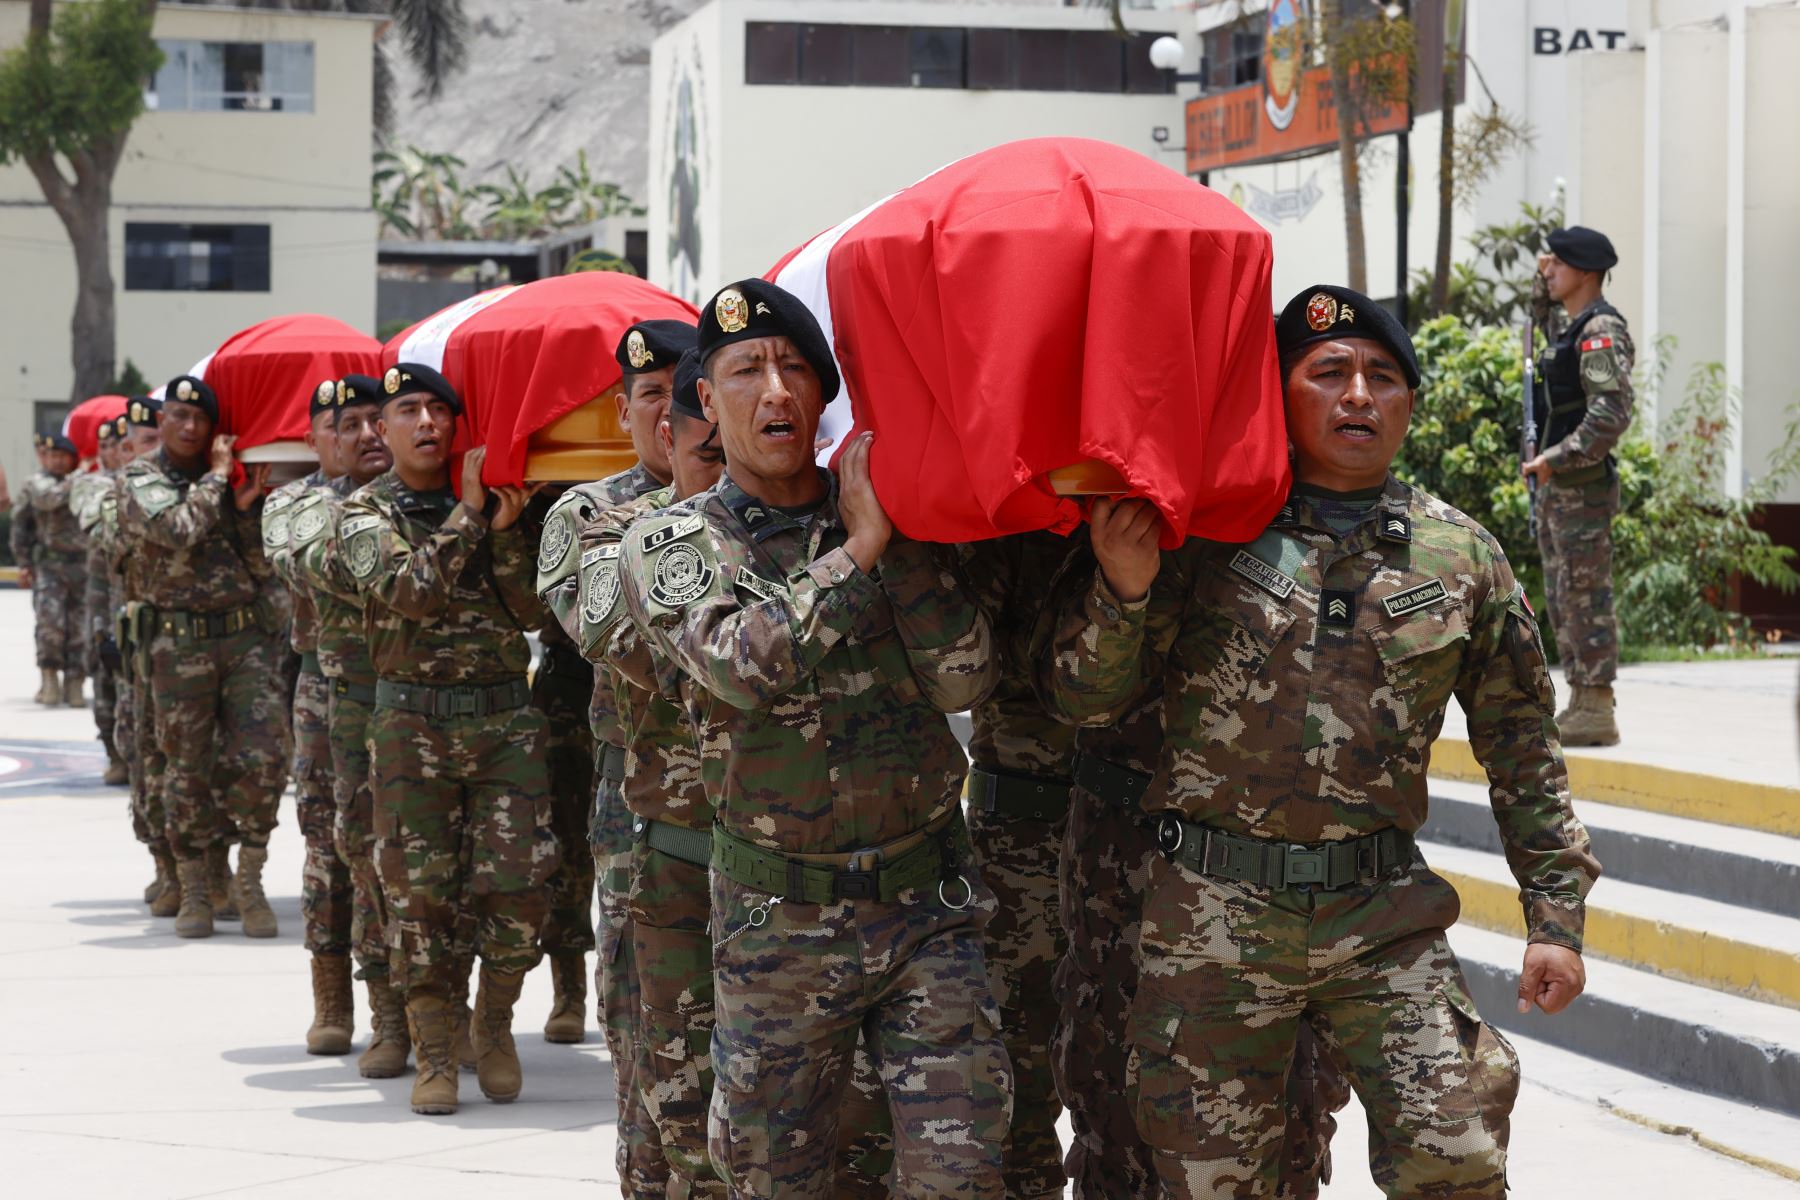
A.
pixel 600 592
pixel 276 528
pixel 154 495
pixel 308 521
pixel 356 525
pixel 553 546
pixel 1599 361
pixel 658 534
pixel 1415 598
pixel 1596 343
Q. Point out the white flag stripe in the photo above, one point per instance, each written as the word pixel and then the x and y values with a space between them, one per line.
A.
pixel 199 371
pixel 428 342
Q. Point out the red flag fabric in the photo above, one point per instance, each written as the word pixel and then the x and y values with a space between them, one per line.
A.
pixel 82 425
pixel 1046 303
pixel 524 355
pixel 265 375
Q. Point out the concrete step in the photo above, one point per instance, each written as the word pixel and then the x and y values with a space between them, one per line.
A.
pixel 1689 1036
pixel 1726 863
pixel 1737 950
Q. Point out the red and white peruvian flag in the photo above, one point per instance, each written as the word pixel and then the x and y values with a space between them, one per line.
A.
pixel 1048 303
pixel 265 376
pixel 521 356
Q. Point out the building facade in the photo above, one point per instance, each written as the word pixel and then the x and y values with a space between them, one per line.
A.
pixel 243 194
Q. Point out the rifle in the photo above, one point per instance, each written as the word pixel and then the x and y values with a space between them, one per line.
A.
pixel 1528 431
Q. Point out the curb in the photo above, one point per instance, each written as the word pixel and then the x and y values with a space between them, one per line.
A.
pixel 1768 807
pixel 1700 956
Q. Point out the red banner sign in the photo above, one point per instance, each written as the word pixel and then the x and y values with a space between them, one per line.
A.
pixel 1255 123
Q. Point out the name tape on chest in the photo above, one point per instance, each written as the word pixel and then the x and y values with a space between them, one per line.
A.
pixel 1263 575
pixel 757 586
pixel 1415 598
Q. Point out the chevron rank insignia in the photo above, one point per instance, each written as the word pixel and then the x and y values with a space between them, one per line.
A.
pixel 1263 575
pixel 1337 607
pixel 1395 527
pixel 1413 599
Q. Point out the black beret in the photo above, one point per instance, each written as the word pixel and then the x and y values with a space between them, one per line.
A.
pixel 402 378
pixel 144 410
pixel 324 398
pixel 1324 313
pixel 190 389
pixel 358 389
pixel 756 308
pixel 652 345
pixel 56 441
pixel 1583 248
pixel 687 386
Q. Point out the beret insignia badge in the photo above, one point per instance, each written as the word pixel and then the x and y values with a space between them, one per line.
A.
pixel 1321 312
pixel 327 391
pixel 390 382
pixel 184 391
pixel 732 310
pixel 637 353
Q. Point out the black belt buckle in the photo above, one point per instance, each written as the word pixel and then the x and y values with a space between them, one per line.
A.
pixel 1368 859
pixel 1302 865
pixel 1169 834
pixel 856 885
pixel 465 702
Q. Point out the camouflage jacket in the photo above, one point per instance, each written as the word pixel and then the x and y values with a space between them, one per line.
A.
pixel 96 511
pixel 558 584
pixel 191 549
pixel 817 691
pixel 1012 730
pixel 44 521
pixel 279 511
pixel 1306 677
pixel 1606 380
pixel 342 647
pixel 663 780
pixel 445 598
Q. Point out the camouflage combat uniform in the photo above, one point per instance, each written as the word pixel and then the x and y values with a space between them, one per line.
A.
pixel 326 896
pixel 842 897
pixel 462 800
pixel 214 655
pixel 641 1161
pixel 92 501
pixel 1584 408
pixel 47 538
pixel 1305 676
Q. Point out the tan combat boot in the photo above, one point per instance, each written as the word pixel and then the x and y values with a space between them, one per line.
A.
pixel 253 906
pixel 496 1057
pixel 459 999
pixel 165 875
pixel 433 1021
pixel 74 693
pixel 568 1015
pixel 194 919
pixel 168 901
pixel 334 1006
pixel 218 882
pixel 49 687
pixel 1590 719
pixel 389 1039
pixel 117 773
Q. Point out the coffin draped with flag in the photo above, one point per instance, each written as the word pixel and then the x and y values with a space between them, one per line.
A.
pixel 1049 304
pixel 265 376
pixel 82 425
pixel 530 360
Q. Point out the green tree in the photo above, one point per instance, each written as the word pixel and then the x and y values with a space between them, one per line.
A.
pixel 68 97
pixel 592 199
pixel 129 382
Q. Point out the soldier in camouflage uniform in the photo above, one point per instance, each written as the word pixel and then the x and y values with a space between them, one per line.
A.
pixel 213 651
pixel 48 545
pixel 646 353
pixel 1583 407
pixel 90 496
pixel 350 678
pixel 462 800
pixel 1305 676
pixel 326 895
pixel 844 900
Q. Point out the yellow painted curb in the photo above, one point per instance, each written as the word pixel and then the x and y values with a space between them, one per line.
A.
pixel 9 576
pixel 1768 807
pixel 1701 1139
pixel 1700 956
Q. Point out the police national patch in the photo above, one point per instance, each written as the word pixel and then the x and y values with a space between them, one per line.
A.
pixel 1413 599
pixel 308 523
pixel 680 576
pixel 559 535
pixel 599 586
pixel 275 528
pixel 153 495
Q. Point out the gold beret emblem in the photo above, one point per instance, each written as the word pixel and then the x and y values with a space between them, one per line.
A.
pixel 327 390
pixel 732 310
pixel 637 352
pixel 184 391
pixel 390 382
pixel 1321 312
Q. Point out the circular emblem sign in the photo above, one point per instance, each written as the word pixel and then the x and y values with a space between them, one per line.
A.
pixel 681 575
pixel 558 534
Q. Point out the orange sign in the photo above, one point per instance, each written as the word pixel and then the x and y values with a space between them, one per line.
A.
pixel 1260 122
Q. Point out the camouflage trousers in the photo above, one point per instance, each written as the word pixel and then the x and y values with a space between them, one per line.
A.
pixel 798 984
pixel 221 724
pixel 569 754
pixel 59 606
pixel 1232 974
pixel 105 703
pixel 1019 857
pixel 134 735
pixel 353 831
pixel 1575 541
pixel 463 842
pixel 326 898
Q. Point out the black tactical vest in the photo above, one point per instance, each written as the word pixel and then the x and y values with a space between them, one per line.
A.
pixel 1559 402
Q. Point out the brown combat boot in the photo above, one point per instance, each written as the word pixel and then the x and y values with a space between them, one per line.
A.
pixel 165 889
pixel 459 999
pixel 433 1021
pixel 1589 721
pixel 49 687
pixel 568 1015
pixel 253 906
pixel 496 1057
pixel 194 919
pixel 218 882
pixel 389 1039
pixel 74 693
pixel 334 1006
pixel 116 771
